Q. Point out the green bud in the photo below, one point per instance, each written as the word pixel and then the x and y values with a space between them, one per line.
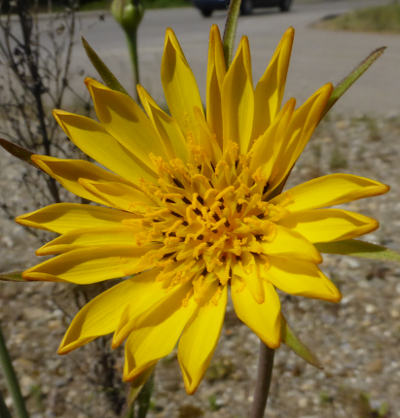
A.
pixel 128 13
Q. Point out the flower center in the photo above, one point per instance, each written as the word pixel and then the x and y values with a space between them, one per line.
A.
pixel 210 216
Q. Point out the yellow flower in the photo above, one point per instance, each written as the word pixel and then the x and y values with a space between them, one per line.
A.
pixel 192 205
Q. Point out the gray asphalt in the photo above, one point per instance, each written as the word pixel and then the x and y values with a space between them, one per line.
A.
pixel 318 56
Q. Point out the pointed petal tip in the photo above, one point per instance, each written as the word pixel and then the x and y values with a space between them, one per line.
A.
pixel 170 37
pixel 190 389
pixel 327 88
pixel 64 349
pixel 274 344
pixel 335 296
pixel 289 33
pixel 385 188
pixel 88 80
pixel 117 340
pixel 214 30
pixel 20 220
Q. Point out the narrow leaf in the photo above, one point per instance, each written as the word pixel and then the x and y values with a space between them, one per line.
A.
pixel 293 342
pixel 105 73
pixel 19 152
pixel 347 82
pixel 356 248
pixel 14 276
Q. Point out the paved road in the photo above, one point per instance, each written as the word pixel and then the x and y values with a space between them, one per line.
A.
pixel 318 57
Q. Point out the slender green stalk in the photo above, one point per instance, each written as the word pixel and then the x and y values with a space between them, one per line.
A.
pixel 131 37
pixel 264 374
pixel 144 397
pixel 11 380
pixel 230 29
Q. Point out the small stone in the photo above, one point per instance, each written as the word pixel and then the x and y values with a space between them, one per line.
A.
pixel 374 366
pixel 354 264
pixel 370 309
pixel 342 124
pixel 34 314
pixel 302 402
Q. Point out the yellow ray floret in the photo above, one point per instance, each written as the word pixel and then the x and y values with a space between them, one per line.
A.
pixel 189 205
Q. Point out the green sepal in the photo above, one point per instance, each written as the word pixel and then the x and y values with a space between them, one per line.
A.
pixel 136 386
pixel 13 276
pixel 294 343
pixel 357 248
pixel 348 81
pixel 105 73
pixel 17 151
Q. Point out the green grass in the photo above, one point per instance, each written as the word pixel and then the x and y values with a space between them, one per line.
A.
pixel 374 19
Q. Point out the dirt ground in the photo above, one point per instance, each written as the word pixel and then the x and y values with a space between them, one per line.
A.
pixel 356 340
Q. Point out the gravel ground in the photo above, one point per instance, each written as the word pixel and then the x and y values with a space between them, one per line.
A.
pixel 357 340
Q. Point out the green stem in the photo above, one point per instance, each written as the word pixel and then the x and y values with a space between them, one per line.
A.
pixel 230 29
pixel 264 374
pixel 131 37
pixel 11 380
pixel 145 397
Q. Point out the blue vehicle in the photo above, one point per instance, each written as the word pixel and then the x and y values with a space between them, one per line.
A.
pixel 206 7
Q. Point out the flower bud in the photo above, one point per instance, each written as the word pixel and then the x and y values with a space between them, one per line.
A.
pixel 128 13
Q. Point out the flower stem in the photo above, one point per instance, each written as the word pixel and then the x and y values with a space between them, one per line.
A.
pixel 230 29
pixel 131 37
pixel 145 397
pixel 264 374
pixel 11 380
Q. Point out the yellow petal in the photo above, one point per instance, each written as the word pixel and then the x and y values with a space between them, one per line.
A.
pixel 90 237
pixel 216 71
pixel 91 265
pixel 166 127
pixel 324 225
pixel 65 217
pixel 250 275
pixel 268 145
pixel 101 315
pixel 205 138
pixel 145 346
pixel 330 190
pixel 68 172
pixel 288 243
pixel 238 99
pixel 180 87
pixel 119 195
pixel 122 117
pixel 95 141
pixel 199 340
pixel 271 86
pixel 152 309
pixel 262 318
pixel 302 125
pixel 301 278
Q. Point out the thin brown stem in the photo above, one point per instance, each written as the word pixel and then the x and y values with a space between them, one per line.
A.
pixel 264 374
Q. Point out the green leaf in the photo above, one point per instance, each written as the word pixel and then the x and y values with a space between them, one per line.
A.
pixel 19 152
pixel 105 73
pixel 356 248
pixel 14 276
pixel 293 342
pixel 348 81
